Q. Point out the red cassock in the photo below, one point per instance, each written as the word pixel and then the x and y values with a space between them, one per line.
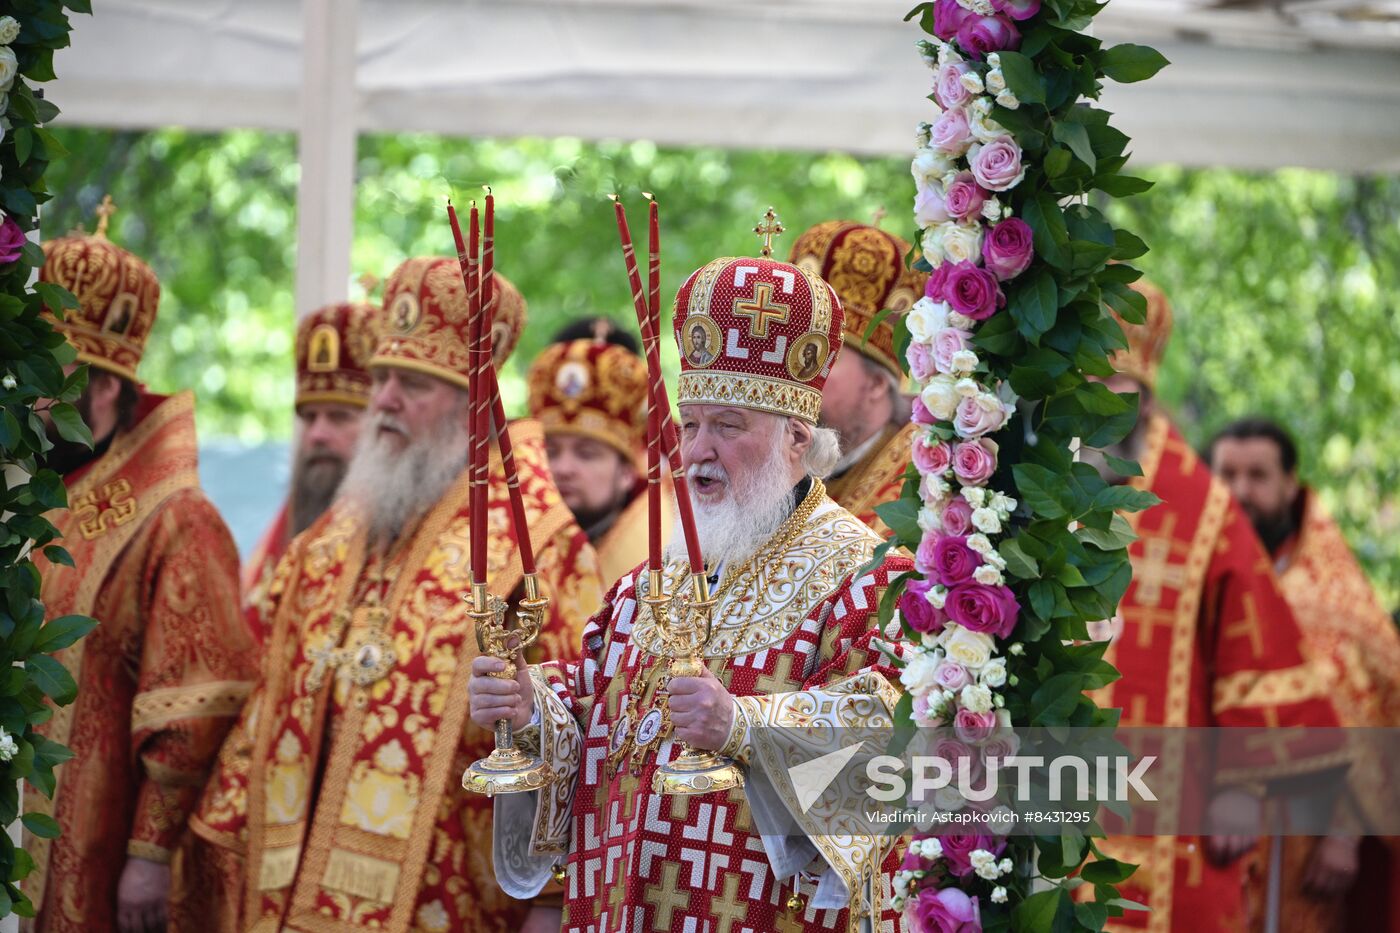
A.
pixel 792 641
pixel 1204 637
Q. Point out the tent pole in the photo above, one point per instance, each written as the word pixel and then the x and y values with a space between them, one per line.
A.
pixel 326 150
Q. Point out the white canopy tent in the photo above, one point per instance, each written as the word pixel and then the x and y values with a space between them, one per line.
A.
pixel 1313 83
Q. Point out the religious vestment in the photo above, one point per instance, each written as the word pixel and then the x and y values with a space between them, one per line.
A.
pixel 337 803
pixel 792 640
pixel 877 477
pixel 258 570
pixel 160 679
pixel 624 545
pixel 1206 639
pixel 1346 631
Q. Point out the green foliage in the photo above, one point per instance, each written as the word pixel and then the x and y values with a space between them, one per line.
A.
pixel 32 357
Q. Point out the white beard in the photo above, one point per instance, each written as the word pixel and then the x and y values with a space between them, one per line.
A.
pixel 392 488
pixel 733 529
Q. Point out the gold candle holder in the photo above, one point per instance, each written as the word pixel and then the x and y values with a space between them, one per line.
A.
pixel 693 771
pixel 507 770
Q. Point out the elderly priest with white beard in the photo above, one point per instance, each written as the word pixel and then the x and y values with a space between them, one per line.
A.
pixel 791 643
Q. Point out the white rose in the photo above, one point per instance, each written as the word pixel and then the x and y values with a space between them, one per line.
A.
pixel 1003 503
pixel 996 81
pixel 980 543
pixel 901 884
pixel 968 648
pixel 929 166
pixel 976 697
pixel 987 870
pixel 929 520
pixel 922 135
pixel 980 7
pixel 937 596
pixel 926 318
pixel 9 381
pixel 960 321
pixel 948 798
pixel 928 53
pixel 987 575
pixel 976 496
pixel 998 895
pixel 933 490
pixel 9 67
pixel 1008 100
pixel 987 520
pixel 940 398
pixel 993 674
pixel 993 60
pixel 9 29
pixel 980 122
pixel 995 559
pixel 979 858
pixel 964 361
pixel 918 673
pixel 991 210
pixel 8 748
pixel 1005 866
pixel 972 81
pixel 967 387
pixel 930 848
pixel 1017 649
pixel 947 54
pixel 959 242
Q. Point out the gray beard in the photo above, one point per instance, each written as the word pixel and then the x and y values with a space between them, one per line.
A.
pixel 392 489
pixel 735 529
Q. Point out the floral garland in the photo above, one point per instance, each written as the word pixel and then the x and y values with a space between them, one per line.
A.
pixel 1016 547
pixel 32 357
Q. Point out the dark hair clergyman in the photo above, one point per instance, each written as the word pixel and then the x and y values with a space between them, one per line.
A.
pixel 1250 428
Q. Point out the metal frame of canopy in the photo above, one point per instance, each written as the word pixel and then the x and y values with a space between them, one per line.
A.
pixel 1313 83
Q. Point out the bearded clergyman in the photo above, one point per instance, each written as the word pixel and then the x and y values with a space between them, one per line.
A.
pixel 791 642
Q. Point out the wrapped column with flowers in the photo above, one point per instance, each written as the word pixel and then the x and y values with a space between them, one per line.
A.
pixel 1017 545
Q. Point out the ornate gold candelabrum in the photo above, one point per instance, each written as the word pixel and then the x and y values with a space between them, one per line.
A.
pixel 684 625
pixel 507 770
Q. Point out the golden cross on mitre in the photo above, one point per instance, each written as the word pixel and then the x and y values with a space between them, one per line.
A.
pixel 879 215
pixel 104 212
pixel 768 228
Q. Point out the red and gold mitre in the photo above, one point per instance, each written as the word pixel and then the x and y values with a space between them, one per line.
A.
pixel 1147 342
pixel 756 333
pixel 334 345
pixel 424 322
pixel 865 265
pixel 594 389
pixel 117 297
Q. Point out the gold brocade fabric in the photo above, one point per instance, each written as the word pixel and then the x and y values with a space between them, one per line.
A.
pixel 877 478
pixel 337 804
pixel 160 679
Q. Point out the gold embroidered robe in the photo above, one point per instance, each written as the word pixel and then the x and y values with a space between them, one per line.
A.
pixel 792 641
pixel 877 478
pixel 159 680
pixel 258 571
pixel 339 807
pixel 624 545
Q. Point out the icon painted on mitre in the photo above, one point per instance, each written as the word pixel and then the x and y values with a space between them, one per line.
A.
pixel 807 356
pixel 572 379
pixel 323 353
pixel 404 313
pixel 120 314
pixel 701 341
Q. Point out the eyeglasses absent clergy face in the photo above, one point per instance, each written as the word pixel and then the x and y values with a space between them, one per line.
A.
pixel 1253 469
pixel 329 431
pixel 406 405
pixel 720 444
pixel 592 476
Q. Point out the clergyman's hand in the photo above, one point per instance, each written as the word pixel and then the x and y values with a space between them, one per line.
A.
pixel 702 711
pixel 141 896
pixel 1333 866
pixel 494 698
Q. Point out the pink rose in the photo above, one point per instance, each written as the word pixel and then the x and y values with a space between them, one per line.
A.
pixel 952 676
pixel 948 15
pixel 972 291
pixel 950 133
pixel 946 342
pixel 919 413
pixel 997 165
pixel 957 517
pixel 917 610
pixel 1001 747
pixel 989 609
pixel 958 849
pixel 964 197
pixel 981 414
pixel 933 288
pixel 974 727
pixel 920 357
pixel 974 462
pixel 946 910
pixel 923 716
pixel 978 35
pixel 948 88
pixel 1008 248
pixel 930 206
pixel 953 561
pixel 932 458
pixel 954 751
pixel 11 241
pixel 1017 9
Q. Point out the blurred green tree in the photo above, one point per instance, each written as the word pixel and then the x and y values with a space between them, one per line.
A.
pixel 1285 284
